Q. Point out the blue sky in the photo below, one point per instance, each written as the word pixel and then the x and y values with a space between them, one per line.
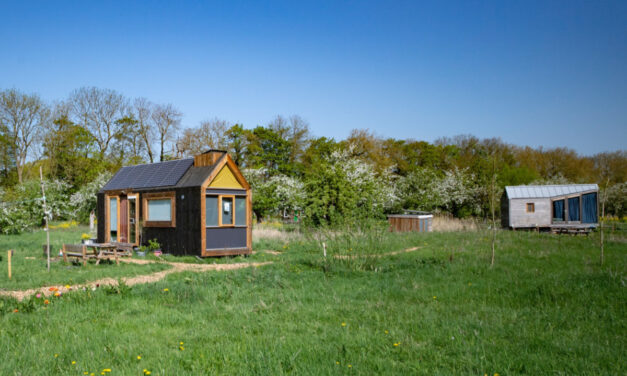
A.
pixel 545 73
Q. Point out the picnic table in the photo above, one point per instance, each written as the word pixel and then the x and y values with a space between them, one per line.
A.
pixel 98 251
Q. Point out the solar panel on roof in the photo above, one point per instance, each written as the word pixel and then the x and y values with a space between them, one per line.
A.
pixel 162 174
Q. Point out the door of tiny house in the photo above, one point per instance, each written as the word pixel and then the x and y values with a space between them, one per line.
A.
pixel 123 236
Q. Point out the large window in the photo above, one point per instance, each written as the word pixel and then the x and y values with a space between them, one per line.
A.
pixel 225 211
pixel 240 211
pixel 113 219
pixel 159 209
pixel 558 210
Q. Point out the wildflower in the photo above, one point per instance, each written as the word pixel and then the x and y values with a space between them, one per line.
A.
pixel 496 374
pixel 85 373
pixel 337 362
pixel 386 332
pixel 56 355
pixel 106 370
pixel 15 311
pixel 73 362
pixel 38 296
pixel 67 287
pixel 435 297
pixel 181 348
pixel 343 324
pixel 57 294
pixel 349 366
pixel 395 344
pixel 180 343
pixel 46 301
pixel 139 357
pixel 53 289
pixel 166 290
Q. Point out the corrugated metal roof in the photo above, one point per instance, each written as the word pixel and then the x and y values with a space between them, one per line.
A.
pixel 547 191
pixel 163 174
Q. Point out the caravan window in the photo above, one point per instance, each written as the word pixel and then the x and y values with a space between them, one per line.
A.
pixel 558 210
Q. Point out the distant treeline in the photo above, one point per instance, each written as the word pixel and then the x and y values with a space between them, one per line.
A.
pixel 79 141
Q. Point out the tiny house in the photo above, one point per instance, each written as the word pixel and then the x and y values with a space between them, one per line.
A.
pixel 197 206
pixel 550 206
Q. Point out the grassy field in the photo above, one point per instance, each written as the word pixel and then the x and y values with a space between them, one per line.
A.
pixel 546 307
pixel 29 266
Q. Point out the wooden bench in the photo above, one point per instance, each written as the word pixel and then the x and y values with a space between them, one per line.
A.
pixel 124 249
pixel 78 251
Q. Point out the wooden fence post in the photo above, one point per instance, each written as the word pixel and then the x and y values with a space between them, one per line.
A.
pixel 9 254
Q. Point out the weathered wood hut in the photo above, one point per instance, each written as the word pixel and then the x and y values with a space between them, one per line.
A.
pixel 196 206
pixel 550 206
pixel 411 220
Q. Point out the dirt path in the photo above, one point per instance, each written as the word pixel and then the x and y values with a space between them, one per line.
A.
pixel 268 251
pixel 344 257
pixel 147 278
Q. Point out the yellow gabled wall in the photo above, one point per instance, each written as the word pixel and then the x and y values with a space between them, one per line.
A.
pixel 225 179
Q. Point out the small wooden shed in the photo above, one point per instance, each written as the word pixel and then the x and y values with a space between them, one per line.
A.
pixel 411 220
pixel 197 206
pixel 550 206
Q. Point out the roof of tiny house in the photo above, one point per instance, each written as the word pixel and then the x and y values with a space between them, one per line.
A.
pixel 169 174
pixel 548 191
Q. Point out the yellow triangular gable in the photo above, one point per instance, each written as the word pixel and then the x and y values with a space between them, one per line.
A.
pixel 225 179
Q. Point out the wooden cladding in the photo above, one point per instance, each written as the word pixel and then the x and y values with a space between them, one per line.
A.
pixel 408 223
pixel 207 159
pixel 159 196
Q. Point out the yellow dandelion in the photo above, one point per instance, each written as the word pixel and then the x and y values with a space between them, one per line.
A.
pixel 181 348
pixel 73 362
pixel 349 366
pixel 386 332
pixel 166 290
pixel 496 374
pixel 147 372
pixel 56 355
pixel 180 343
pixel 139 357
pixel 106 370
pixel 85 373
pixel 395 344
pixel 435 297
pixel 67 286
pixel 343 324
pixel 336 362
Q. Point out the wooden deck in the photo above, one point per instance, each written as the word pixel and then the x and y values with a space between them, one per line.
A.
pixel 562 228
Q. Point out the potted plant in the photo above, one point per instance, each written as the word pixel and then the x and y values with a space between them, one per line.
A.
pixel 141 251
pixel 155 247
pixel 86 238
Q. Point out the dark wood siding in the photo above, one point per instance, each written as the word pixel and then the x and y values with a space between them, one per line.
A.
pixel 100 214
pixel 184 239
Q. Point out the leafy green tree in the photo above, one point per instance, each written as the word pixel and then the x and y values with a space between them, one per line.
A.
pixel 72 155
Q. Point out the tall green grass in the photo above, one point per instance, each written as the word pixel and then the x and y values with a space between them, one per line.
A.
pixel 546 307
pixel 29 269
